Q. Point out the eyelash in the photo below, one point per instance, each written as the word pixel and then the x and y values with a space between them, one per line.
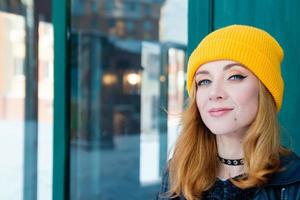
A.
pixel 237 77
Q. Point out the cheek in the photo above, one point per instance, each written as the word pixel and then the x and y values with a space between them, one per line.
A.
pixel 200 100
pixel 247 103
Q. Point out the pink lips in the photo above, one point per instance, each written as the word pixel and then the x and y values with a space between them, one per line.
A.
pixel 218 112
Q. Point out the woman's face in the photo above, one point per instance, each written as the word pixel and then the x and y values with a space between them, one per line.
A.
pixel 227 96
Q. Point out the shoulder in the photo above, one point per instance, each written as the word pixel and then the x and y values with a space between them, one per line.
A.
pixel 164 188
pixel 289 173
pixel 285 183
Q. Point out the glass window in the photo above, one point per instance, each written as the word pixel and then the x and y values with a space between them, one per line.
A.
pixel 26 101
pixel 126 96
pixel 45 110
pixel 109 5
pixel 132 7
pixel 130 26
pixel 147 25
pixel 147 10
pixel 12 100
pixel 111 23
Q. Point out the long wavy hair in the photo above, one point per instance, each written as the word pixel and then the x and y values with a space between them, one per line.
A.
pixel 194 165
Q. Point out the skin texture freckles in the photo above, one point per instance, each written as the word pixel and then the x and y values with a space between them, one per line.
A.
pixel 226 84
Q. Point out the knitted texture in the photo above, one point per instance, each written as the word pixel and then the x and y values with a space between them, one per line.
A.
pixel 252 47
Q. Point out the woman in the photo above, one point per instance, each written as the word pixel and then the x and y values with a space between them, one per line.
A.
pixel 229 146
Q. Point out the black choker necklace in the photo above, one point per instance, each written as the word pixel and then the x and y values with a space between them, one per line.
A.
pixel 233 162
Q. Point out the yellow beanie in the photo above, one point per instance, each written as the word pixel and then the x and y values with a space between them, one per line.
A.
pixel 250 46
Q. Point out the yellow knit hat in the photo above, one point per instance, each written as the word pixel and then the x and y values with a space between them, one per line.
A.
pixel 250 46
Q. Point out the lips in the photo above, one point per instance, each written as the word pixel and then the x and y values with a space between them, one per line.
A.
pixel 218 112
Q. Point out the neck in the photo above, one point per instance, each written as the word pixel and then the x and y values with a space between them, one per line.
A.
pixel 230 147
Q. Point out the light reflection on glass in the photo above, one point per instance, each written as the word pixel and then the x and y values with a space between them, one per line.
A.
pixel 175 94
pixel 150 92
pixel 12 94
pixel 120 75
pixel 133 78
pixel 45 111
pixel 12 101
pixel 109 79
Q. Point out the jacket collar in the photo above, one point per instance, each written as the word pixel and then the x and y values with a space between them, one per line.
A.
pixel 290 173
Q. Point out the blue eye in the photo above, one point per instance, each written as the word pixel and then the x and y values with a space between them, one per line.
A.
pixel 203 82
pixel 237 77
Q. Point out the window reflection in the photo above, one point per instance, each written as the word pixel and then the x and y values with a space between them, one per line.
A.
pixel 45 111
pixel 175 94
pixel 12 93
pixel 13 135
pixel 121 58
pixel 150 111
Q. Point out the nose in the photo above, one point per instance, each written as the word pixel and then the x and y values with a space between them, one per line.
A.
pixel 217 91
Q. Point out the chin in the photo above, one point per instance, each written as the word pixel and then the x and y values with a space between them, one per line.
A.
pixel 221 131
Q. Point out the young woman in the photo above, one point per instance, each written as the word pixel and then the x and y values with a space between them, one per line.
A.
pixel 229 146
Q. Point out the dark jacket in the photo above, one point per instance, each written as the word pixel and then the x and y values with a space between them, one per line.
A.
pixel 283 185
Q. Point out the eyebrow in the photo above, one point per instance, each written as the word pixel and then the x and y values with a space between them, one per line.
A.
pixel 228 66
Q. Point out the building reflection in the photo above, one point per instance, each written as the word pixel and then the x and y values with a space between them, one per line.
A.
pixel 20 117
pixel 108 36
pixel 120 71
pixel 126 19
